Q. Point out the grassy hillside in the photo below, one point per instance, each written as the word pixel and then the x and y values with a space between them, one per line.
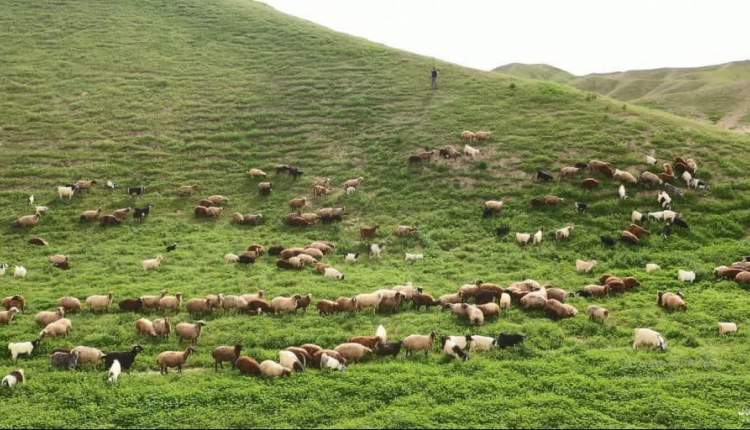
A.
pixel 169 93
pixel 542 72
pixel 716 94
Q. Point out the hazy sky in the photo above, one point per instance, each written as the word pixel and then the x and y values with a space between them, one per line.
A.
pixel 580 36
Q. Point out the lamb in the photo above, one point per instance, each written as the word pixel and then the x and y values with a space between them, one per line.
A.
pixel 346 304
pixel 256 173
pixel 353 351
pixel 13 378
pixel 645 337
pixel 114 372
pixel 622 192
pixel 247 366
pixel 177 359
pixel 665 201
pixel 685 276
pixel 727 328
pixel 152 263
pixel 88 355
pixel 45 318
pixel 100 303
pixel 70 304
pixel 597 313
pixel 585 266
pixel 273 369
pixel 636 217
pixel 226 353
pixel 625 177
pixel 418 342
pixel 564 233
pixel 64 360
pixel 285 304
pixel 65 192
pixel 413 257
pixel 376 250
pixel 60 261
pixel 505 301
pixel 671 301
pixel 23 348
pixel 470 151
pixel 290 361
pixel 651 267
pixel 126 359
pixel 90 215
pixel 188 331
pixel 556 310
pixel 7 316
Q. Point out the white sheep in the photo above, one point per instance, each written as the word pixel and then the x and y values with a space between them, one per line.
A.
pixel 41 210
pixel 481 343
pixel 636 217
pixel 114 372
pixel 65 192
pixel 669 216
pixel 470 151
pixel 523 238
pixel 381 333
pixel 152 263
pixel 585 266
pixel 685 276
pixel 368 300
pixel 538 236
pixel 351 257
pixel 645 337
pixel 330 272
pixel 231 258
pixel 505 301
pixel 22 348
pixel 19 272
pixel 652 267
pixel 289 360
pixel 622 192
pixel 564 232
pixel 376 250
pixel 452 350
pixel 413 257
pixel 349 192
pixel 272 368
pixel 726 328
pixel 650 159
pixel 656 216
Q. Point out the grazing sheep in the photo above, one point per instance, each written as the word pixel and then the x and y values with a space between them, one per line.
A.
pixel 389 303
pixel 177 359
pixel 538 236
pixel 420 299
pixel 629 238
pixel 290 361
pixel 505 301
pixel 569 171
pixel 126 358
pixel 647 338
pixel 152 263
pixel 470 151
pixel 64 360
pixel 474 314
pixel 590 183
pixel 23 348
pixel 346 304
pixel 107 220
pixel 327 307
pixel 671 301
pixel 226 353
pixel 353 351
pixel 651 179
pixel 298 203
pixel 650 159
pixel 651 267
pixel 544 176
pixel 413 257
pixel 45 318
pixel 163 327
pixel 727 328
pixel 171 303
pixel 88 355
pixel 418 342
pixel 121 214
pixel 376 250
pixel 556 293
pixel 368 300
pixel 285 304
pixel 152 302
pixel 454 351
pixel 188 331
pixel 304 302
pixel 502 230
pixel 482 135
pixel 70 304
pixel 61 327
pixel 602 167
pixel 13 378
pixel 265 188
pixel 65 192
pixel 608 240
pixel 350 190
pixel 27 221
pixel 231 258
pixel 90 215
pixel 597 313
pixel 198 306
pixel 467 135
pixel 548 200
pixel 492 207
pixel 405 231
pixel 523 238
pixel 7 316
pixel 187 190
pixel 232 302
pixel 273 369
pixel 685 276
pixel 100 302
pixel 145 327
pixel 489 310
pixel 594 291
pixel 256 173
pixel 624 177
pixel 247 366
pixel 35 241
pixel 638 231
pixel 564 233
pixel 19 272
pixel 556 310
pixel 585 266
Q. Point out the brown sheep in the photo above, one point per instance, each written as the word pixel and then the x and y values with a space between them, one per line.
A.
pixel 60 261
pixel 45 318
pixel 38 241
pixel 218 199
pixel 417 342
pixel 347 304
pixel 247 366
pixel 368 341
pixel 91 215
pixel 556 310
pixel 187 190
pixel 145 327
pixel 629 238
pixel 258 306
pixel 163 327
pixel 265 188
pixel 177 359
pixel 602 167
pixel 421 299
pixel 557 293
pixel 671 301
pixel 638 231
pixel 304 302
pixel 368 232
pixel 171 303
pixel 353 351
pixel 311 348
pixel 152 302
pixel 27 221
pixel 327 307
pixel 489 309
pixel 405 231
pixel 70 304
pixel 298 203
pixel 188 331
pixel 226 353
pixel 331 353
pixel 283 304
pixel 594 291
pixel 7 316
pixel 109 220
pixel 121 214
pixel 590 183
pixel 16 301
pixel 198 306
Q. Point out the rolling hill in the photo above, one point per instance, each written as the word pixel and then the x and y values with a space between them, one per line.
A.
pixel 165 93
pixel 716 94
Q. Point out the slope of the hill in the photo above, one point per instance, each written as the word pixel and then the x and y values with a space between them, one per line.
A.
pixel 543 72
pixel 166 93
pixel 717 94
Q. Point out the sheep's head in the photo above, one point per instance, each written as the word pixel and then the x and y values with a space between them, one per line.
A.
pixel 61 311
pixel 136 349
pixel 200 323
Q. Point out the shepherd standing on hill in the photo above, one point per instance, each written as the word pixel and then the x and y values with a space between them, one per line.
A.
pixel 434 78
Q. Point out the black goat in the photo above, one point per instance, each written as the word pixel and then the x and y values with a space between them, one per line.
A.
pixel 136 191
pixel 126 359
pixel 388 348
pixel 141 213
pixel 505 340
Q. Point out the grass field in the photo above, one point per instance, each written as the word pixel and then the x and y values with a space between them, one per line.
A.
pixel 169 93
pixel 717 94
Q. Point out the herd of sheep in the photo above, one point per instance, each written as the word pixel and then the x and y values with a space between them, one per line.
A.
pixel 473 303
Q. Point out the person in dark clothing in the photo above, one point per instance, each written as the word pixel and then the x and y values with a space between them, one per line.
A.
pixel 434 78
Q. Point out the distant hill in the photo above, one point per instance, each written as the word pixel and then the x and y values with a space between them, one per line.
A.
pixel 718 94
pixel 543 72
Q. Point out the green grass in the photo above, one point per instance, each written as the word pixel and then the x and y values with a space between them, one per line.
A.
pixel 168 93
pixel 716 94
